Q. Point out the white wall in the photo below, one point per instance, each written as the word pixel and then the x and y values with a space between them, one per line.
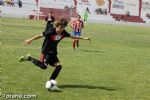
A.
pixel 132 6
pixel 60 4
pixel 92 5
pixel 123 6
pixel 145 10
pixel 8 11
pixel 117 7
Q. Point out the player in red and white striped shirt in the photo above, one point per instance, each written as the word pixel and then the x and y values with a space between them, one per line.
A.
pixel 77 26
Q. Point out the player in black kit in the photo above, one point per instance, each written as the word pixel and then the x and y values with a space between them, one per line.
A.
pixel 49 20
pixel 49 48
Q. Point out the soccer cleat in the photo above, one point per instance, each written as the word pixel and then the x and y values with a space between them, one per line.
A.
pixel 54 88
pixel 24 58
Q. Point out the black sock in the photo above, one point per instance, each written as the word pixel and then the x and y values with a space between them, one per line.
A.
pixel 55 72
pixel 38 63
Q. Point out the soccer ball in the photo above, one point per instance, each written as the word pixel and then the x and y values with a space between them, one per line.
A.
pixel 50 84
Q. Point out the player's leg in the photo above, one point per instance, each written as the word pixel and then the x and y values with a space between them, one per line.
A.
pixel 77 40
pixel 74 41
pixel 77 43
pixel 36 62
pixel 56 72
pixel 85 20
pixel 54 61
pixel 74 44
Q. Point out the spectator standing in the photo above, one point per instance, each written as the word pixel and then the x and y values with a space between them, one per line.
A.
pixel 20 3
pixel 2 2
pixel 49 20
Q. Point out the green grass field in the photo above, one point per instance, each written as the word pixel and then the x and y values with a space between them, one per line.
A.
pixel 115 65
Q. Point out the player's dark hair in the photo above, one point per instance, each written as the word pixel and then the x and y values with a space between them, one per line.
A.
pixel 62 22
pixel 78 16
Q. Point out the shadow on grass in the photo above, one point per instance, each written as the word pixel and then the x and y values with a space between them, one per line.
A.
pixel 94 51
pixel 57 91
pixel 88 87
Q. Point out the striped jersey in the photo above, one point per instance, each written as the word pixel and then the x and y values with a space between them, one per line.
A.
pixel 77 25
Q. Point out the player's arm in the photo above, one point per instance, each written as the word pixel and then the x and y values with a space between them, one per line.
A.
pixel 72 24
pixel 29 41
pixel 46 33
pixel 82 38
pixel 74 37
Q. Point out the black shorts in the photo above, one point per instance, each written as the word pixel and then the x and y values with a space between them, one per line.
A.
pixel 49 58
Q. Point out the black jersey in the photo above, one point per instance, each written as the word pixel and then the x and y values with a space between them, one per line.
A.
pixel 50 21
pixel 52 39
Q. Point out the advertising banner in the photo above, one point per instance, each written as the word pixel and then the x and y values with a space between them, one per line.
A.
pixel 146 6
pixel 132 6
pixel 118 6
pixel 125 6
pixel 92 5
